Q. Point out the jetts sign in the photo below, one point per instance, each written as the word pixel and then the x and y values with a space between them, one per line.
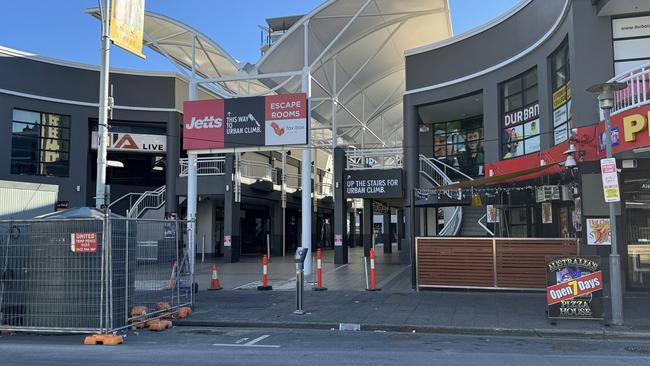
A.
pixel 274 120
pixel 575 287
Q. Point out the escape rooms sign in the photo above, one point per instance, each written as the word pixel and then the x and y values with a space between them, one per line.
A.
pixel 373 183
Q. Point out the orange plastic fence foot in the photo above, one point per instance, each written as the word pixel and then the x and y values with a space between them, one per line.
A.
pixel 159 325
pixel 184 312
pixel 104 339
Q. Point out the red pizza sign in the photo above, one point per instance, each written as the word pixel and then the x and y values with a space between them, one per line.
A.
pixel 580 286
pixel 83 242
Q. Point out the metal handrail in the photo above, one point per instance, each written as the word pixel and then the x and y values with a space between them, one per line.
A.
pixel 480 222
pixel 129 196
pixel 256 170
pixel 438 176
pixel 213 165
pixel 637 92
pixel 150 200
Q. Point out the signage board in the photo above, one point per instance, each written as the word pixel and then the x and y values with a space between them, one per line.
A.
pixel 83 242
pixel 127 25
pixel 492 214
pixel 275 120
pixel 610 180
pixel 227 241
pixel 133 142
pixel 574 287
pixel 373 183
pixel 631 27
pixel 629 130
pixel 61 205
pixel 520 116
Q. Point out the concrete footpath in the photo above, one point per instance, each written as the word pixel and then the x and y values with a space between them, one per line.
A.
pixel 459 312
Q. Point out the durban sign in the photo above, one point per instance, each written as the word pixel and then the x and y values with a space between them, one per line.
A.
pixel 274 120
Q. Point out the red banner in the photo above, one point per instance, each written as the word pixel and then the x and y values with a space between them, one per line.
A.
pixel 570 289
pixel 203 124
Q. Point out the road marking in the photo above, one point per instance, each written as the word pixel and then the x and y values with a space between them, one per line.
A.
pixel 258 339
pixel 252 343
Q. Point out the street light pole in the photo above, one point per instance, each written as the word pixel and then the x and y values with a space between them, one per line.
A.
pixel 606 103
pixel 102 126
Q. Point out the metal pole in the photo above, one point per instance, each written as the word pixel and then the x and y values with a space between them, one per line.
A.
pixel 300 280
pixel 614 258
pixel 191 206
pixel 306 157
pixel 102 126
pixel 284 201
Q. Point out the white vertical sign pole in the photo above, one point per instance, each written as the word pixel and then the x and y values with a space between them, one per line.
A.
pixel 306 158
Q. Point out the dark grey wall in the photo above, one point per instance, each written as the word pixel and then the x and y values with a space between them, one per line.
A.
pixel 590 48
pixel 485 49
pixel 43 79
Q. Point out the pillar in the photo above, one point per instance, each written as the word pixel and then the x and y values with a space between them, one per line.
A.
pixel 367 226
pixel 340 209
pixel 352 233
pixel 231 215
pixel 172 156
pixel 277 249
pixel 411 160
pixel 386 231
pixel 400 227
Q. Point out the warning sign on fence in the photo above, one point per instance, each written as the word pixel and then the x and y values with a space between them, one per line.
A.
pixel 83 242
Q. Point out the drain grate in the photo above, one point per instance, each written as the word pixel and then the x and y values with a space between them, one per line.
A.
pixel 645 350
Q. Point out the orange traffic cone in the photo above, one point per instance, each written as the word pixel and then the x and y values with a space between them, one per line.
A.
pixel 215 284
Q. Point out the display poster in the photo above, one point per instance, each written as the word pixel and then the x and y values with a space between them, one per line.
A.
pixel 564 222
pixel 547 213
pixel 574 287
pixel 127 25
pixel 610 180
pixel 227 240
pixel 492 214
pixel 253 122
pixel 132 142
pixel 599 232
pixel 577 214
pixel 338 240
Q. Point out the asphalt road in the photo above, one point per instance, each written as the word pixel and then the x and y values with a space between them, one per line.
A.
pixel 211 346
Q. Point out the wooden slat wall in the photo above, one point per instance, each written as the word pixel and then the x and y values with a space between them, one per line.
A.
pixel 469 262
pixel 522 263
pixel 461 263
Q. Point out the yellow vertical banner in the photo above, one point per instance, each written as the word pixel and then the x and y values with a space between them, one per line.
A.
pixel 127 25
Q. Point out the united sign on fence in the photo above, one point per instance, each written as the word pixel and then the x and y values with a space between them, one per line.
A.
pixel 273 120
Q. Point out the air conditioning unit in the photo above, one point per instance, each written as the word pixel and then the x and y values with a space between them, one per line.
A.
pixel 547 193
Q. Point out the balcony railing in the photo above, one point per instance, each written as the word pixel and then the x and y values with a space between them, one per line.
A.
pixel 214 165
pixel 637 92
pixel 389 158
pixel 256 170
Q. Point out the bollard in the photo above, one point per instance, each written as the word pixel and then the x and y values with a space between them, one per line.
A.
pixel 215 284
pixel 319 271
pixel 299 258
pixel 265 277
pixel 373 275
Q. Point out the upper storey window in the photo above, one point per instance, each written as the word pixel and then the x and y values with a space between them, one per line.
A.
pixel 561 84
pixel 520 115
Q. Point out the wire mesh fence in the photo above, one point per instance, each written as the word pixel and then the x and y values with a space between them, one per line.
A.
pixel 88 274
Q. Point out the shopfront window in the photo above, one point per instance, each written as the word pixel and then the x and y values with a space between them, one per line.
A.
pixel 520 115
pixel 460 144
pixel 561 84
pixel 40 143
pixel 637 212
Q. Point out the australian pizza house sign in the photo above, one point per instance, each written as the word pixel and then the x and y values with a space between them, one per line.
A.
pixel 245 122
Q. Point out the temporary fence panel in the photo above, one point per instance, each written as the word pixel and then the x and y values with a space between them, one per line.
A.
pixel 490 263
pixel 65 275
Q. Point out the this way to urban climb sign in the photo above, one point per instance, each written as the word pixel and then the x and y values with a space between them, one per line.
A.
pixel 274 120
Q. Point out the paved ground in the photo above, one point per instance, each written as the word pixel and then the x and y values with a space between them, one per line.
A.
pixel 431 311
pixel 282 271
pixel 210 346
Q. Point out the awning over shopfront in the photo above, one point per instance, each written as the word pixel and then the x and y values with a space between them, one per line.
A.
pixel 504 178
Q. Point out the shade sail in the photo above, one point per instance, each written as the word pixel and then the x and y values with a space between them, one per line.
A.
pixel 504 178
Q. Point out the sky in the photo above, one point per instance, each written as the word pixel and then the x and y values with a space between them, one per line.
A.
pixel 60 29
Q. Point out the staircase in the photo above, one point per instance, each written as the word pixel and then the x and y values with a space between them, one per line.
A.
pixel 471 226
pixel 149 200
